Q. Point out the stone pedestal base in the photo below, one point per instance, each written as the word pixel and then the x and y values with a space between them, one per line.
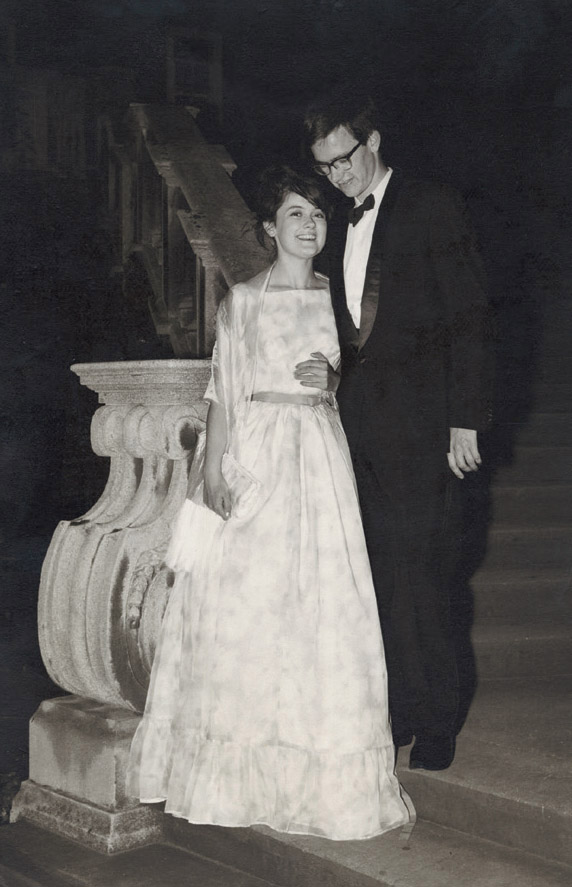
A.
pixel 78 758
pixel 108 831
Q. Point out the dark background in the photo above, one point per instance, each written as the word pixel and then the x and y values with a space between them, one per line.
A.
pixel 477 94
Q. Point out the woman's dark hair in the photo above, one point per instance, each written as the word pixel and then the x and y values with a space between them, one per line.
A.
pixel 274 183
pixel 349 107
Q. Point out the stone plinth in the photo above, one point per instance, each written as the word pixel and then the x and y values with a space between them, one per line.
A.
pixel 78 758
pixel 80 747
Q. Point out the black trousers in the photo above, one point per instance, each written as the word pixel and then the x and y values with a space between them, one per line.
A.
pixel 411 521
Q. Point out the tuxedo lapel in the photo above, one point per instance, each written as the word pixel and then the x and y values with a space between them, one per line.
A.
pixel 371 289
pixel 347 330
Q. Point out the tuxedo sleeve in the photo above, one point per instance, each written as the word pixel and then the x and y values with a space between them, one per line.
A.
pixel 461 282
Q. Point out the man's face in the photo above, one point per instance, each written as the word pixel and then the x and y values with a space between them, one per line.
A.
pixel 366 169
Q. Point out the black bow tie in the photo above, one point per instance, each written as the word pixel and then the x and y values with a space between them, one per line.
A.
pixel 356 212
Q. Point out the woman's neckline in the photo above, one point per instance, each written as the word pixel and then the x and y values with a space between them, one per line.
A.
pixel 319 283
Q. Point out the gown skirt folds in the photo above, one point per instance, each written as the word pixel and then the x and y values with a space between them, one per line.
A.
pixel 268 694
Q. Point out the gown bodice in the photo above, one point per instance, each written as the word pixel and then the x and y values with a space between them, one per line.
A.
pixel 292 325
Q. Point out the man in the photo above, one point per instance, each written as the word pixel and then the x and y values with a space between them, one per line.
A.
pixel 408 292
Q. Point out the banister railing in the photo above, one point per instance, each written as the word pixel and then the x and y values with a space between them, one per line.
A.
pixel 175 208
pixel 104 585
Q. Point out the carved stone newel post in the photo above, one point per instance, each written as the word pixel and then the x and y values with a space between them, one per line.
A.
pixel 103 592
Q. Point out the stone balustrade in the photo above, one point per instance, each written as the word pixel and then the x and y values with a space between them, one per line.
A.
pixel 176 215
pixel 104 586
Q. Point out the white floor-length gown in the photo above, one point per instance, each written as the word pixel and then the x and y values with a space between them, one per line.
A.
pixel 268 695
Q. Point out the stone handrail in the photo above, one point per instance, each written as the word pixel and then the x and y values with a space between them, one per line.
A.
pixel 104 586
pixel 176 210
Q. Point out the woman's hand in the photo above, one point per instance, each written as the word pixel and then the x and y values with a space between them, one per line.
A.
pixel 317 373
pixel 217 494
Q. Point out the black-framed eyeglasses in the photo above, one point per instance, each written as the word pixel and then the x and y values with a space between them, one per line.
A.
pixel 325 167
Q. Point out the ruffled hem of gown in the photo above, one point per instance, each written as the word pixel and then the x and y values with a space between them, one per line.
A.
pixel 289 789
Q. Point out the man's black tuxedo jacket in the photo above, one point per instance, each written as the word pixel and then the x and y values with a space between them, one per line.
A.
pixel 419 363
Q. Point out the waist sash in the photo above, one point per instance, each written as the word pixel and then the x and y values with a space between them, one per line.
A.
pixel 309 400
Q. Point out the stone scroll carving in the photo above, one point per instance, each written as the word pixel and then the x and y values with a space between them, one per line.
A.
pixel 104 586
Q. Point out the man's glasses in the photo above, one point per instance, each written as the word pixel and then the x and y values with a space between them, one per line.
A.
pixel 325 167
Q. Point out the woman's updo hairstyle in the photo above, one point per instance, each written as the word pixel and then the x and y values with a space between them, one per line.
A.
pixel 274 183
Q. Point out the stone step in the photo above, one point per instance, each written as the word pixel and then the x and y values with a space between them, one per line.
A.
pixel 510 781
pixel 11 878
pixel 532 594
pixel 32 857
pixel 553 397
pixel 529 715
pixel 432 857
pixel 535 505
pixel 222 857
pixel 528 547
pixel 541 429
pixel 512 648
pixel 536 465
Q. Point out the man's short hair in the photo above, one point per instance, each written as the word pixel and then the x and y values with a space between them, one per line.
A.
pixel 350 107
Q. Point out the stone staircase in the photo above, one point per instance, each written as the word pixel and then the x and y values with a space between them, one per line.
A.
pixel 523 605
pixel 511 781
pixel 502 814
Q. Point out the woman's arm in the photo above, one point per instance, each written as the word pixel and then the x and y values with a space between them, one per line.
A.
pixel 217 494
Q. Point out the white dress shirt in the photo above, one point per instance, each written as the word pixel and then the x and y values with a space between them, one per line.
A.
pixel 358 245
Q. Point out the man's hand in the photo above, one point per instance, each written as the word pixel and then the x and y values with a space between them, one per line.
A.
pixel 317 373
pixel 217 494
pixel 463 452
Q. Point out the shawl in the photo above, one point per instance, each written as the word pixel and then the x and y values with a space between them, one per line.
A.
pixel 233 376
pixel 233 372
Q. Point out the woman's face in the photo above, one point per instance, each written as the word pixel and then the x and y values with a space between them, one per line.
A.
pixel 299 228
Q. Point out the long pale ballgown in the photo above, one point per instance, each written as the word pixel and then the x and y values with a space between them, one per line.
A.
pixel 268 694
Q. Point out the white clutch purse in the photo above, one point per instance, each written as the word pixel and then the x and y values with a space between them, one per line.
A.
pixel 196 526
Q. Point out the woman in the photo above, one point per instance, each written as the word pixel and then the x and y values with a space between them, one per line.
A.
pixel 268 698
